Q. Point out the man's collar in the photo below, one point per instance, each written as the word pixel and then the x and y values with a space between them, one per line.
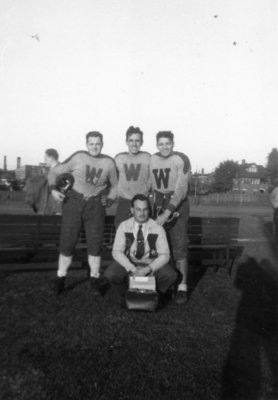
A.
pixel 140 223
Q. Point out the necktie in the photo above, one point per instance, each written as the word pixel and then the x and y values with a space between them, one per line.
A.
pixel 140 250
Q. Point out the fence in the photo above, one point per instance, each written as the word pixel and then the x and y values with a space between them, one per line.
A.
pixel 212 198
pixel 10 195
pixel 231 198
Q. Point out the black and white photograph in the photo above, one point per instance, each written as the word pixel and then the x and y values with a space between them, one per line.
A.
pixel 139 200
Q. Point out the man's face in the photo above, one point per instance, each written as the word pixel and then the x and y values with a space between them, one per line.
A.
pixel 94 145
pixel 134 143
pixel 165 146
pixel 140 211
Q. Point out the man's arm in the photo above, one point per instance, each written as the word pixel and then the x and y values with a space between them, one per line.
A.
pixel 108 199
pixel 182 182
pixel 52 176
pixel 180 191
pixel 274 197
pixel 118 250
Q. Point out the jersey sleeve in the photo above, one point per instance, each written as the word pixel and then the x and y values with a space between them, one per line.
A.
pixel 113 181
pixel 274 197
pixel 182 182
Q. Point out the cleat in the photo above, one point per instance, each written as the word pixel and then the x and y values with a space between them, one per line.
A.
pixel 60 285
pixel 181 297
pixel 95 286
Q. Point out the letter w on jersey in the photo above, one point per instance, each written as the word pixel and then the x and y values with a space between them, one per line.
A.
pixel 162 176
pixel 132 172
pixel 93 175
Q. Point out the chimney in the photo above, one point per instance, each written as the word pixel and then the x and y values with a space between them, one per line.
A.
pixel 5 163
pixel 203 171
pixel 243 162
pixel 18 162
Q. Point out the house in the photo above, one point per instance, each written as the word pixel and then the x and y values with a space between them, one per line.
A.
pixel 251 178
pixel 201 183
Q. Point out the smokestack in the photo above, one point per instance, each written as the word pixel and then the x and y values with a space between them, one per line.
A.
pixel 5 163
pixel 203 171
pixel 18 162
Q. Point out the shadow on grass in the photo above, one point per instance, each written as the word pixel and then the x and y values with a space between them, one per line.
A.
pixel 251 369
pixel 196 273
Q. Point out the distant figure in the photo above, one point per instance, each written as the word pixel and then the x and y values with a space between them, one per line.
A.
pixel 274 201
pixel 51 158
pixel 37 189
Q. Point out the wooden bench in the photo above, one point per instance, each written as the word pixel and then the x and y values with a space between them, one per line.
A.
pixel 25 238
pixel 36 237
pixel 214 241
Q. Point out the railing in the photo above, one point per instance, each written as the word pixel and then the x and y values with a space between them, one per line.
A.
pixel 231 198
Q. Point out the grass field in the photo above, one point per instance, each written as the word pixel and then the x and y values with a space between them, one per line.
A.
pixel 221 345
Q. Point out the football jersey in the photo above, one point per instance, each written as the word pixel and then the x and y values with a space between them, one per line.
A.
pixel 170 175
pixel 134 173
pixel 92 174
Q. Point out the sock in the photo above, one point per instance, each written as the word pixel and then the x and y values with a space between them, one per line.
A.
pixel 94 264
pixel 63 265
pixel 182 287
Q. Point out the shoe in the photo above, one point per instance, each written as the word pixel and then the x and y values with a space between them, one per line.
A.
pixel 60 285
pixel 95 286
pixel 181 297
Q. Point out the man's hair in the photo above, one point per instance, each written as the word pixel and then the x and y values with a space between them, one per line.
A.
pixel 94 134
pixel 131 130
pixel 52 153
pixel 165 134
pixel 140 197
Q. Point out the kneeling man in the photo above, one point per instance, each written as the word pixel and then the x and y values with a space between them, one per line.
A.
pixel 140 249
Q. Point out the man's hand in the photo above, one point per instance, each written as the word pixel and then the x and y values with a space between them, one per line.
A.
pixel 105 201
pixel 142 271
pixel 58 196
pixel 161 219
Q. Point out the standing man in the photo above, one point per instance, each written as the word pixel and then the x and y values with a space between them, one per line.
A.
pixel 170 172
pixel 51 159
pixel 93 174
pixel 134 173
pixel 37 189
pixel 140 249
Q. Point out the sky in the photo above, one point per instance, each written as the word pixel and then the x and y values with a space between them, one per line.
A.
pixel 204 69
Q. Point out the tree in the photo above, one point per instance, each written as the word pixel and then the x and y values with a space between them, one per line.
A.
pixel 272 165
pixel 224 175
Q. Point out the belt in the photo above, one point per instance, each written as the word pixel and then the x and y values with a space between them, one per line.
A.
pixel 74 193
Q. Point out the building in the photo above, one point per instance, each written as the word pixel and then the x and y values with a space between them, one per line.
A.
pixel 29 171
pixel 251 178
pixel 201 183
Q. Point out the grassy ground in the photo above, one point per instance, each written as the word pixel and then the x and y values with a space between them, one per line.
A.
pixel 221 345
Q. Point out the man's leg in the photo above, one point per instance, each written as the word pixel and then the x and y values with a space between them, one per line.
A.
pixel 94 219
pixel 117 277
pixel 179 244
pixel 70 228
pixel 123 211
pixel 165 278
